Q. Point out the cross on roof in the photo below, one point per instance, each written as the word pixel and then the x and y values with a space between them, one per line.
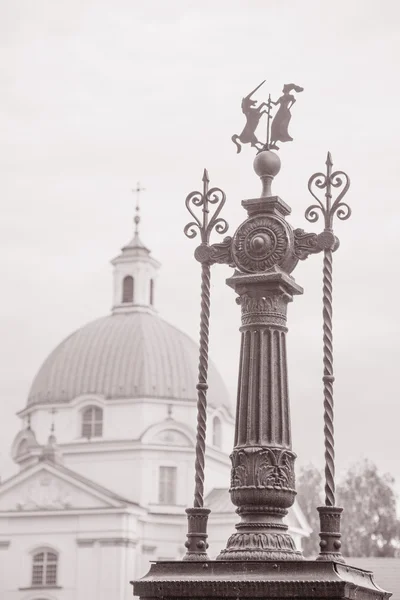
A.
pixel 137 215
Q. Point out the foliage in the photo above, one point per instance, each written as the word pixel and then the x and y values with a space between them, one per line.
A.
pixel 370 526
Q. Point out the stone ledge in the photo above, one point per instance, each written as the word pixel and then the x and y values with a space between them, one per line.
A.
pixel 304 579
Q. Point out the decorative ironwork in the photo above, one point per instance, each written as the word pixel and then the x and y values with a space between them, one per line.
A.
pixel 213 196
pixel 261 243
pixel 330 543
pixel 280 123
pixel 259 579
pixel 260 546
pixel 253 115
pixel 263 468
pixel 322 181
pixel 196 543
pixel 216 253
pixel 205 226
pixel 328 209
pixel 260 559
pixel 313 243
pixel 277 131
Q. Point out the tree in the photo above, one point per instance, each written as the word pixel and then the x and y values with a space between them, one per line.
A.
pixel 309 496
pixel 370 526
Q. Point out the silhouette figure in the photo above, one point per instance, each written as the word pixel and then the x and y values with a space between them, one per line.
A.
pixel 280 123
pixel 253 116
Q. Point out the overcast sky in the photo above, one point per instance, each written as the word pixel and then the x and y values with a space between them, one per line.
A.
pixel 96 95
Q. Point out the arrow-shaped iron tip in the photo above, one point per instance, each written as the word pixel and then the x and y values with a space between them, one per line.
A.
pixel 329 161
pixel 205 177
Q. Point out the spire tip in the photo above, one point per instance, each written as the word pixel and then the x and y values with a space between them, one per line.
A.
pixel 136 219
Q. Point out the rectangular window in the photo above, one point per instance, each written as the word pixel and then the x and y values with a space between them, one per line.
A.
pixel 167 485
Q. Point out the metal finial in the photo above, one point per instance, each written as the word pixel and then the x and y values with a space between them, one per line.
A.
pixel 329 161
pixel 205 176
pixel 29 421
pixel 277 131
pixel 137 208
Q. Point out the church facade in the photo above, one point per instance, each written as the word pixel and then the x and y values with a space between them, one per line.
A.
pixel 106 453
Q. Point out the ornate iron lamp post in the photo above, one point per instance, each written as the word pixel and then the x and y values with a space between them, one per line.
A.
pixel 260 558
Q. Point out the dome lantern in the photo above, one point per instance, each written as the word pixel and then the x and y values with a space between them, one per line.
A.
pixel 135 273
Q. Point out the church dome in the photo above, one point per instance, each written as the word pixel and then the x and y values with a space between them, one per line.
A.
pixel 125 355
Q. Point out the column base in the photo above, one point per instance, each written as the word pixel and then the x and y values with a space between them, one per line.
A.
pixel 196 542
pixel 260 546
pixel 330 544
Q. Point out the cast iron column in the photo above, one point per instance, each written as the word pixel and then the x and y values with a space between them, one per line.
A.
pixel 262 477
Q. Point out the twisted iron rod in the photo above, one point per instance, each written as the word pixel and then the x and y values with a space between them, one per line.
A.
pixel 202 387
pixel 328 209
pixel 328 379
pixel 213 197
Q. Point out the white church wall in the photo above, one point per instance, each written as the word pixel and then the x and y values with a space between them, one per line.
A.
pixel 123 420
pixel 226 432
pixel 117 470
pixel 96 555
pixel 152 460
pixel 166 535
pixel 30 534
pixel 217 474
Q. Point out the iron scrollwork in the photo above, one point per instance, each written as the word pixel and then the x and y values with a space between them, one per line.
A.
pixel 313 243
pixel 322 181
pixel 213 196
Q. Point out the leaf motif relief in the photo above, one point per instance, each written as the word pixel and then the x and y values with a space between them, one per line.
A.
pixel 239 469
pixel 274 469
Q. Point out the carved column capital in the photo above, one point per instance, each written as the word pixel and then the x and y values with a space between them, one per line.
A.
pixel 263 310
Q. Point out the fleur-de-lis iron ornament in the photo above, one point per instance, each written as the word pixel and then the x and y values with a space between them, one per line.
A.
pixel 277 131
pixel 213 196
pixel 210 197
pixel 328 209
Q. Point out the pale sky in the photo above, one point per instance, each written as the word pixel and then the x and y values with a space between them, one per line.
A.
pixel 98 94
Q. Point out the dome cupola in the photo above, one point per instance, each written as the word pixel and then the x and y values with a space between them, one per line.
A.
pixel 131 353
pixel 135 272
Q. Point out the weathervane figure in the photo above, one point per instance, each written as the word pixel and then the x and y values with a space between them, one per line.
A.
pixel 253 116
pixel 277 130
pixel 280 123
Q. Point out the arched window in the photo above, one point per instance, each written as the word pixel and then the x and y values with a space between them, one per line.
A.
pixel 217 432
pixel 151 292
pixel 92 422
pixel 44 568
pixel 127 289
